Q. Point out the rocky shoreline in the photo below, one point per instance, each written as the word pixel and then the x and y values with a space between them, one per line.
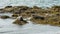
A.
pixel 39 15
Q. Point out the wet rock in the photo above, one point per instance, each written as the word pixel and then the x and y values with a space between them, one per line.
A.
pixel 20 21
pixel 8 10
pixel 1 9
pixel 38 17
pixel 4 17
pixel 23 9
pixel 15 15
pixel 8 6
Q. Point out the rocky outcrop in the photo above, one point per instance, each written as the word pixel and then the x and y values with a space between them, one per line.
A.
pixel 41 16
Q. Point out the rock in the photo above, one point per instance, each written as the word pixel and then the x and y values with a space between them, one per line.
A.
pixel 20 9
pixel 17 12
pixel 15 15
pixel 55 6
pixel 38 17
pixel 35 7
pixel 32 12
pixel 1 9
pixel 58 14
pixel 8 10
pixel 20 21
pixel 5 17
pixel 23 9
pixel 8 6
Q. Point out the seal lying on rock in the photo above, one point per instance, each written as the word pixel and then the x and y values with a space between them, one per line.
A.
pixel 20 21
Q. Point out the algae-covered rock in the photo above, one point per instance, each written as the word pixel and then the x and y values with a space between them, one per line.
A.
pixel 5 17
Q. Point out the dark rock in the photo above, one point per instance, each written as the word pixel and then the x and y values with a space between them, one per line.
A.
pixel 17 12
pixel 21 19
pixel 33 12
pixel 55 6
pixel 23 9
pixel 1 9
pixel 15 15
pixel 5 17
pixel 35 7
pixel 58 14
pixel 8 6
pixel 38 17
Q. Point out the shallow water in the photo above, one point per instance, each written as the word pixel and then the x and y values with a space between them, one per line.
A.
pixel 7 27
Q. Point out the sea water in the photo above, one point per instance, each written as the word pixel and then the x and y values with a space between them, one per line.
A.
pixel 40 3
